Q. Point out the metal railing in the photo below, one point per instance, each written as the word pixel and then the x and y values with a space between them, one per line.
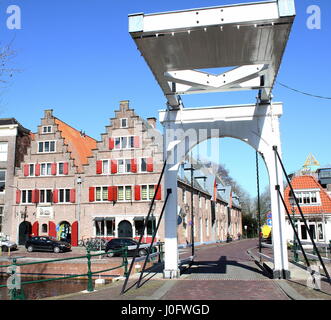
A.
pixel 15 285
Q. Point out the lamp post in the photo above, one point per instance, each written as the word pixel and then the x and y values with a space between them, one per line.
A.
pixel 245 227
pixel 292 203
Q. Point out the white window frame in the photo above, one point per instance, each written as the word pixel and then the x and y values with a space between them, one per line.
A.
pixel 26 196
pixel 120 144
pixel 107 161
pixel 299 195
pixel 140 164
pixel 64 195
pixel 101 198
pixel 45 196
pixel 43 142
pixel 104 233
pixel 46 167
pixel 58 168
pixel 124 193
pixel 2 152
pixel 121 123
pixel 124 166
pixel 149 196
pixel 33 165
pixel 45 132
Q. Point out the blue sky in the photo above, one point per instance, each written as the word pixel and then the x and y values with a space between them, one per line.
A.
pixel 78 58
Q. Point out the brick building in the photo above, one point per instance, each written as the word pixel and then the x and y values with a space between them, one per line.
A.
pixel 47 180
pixel 71 186
pixel 14 141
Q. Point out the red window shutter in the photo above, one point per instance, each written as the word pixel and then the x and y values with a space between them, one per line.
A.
pixel 110 194
pixel 26 170
pixel 56 196
pixel 65 168
pixel 150 165
pixel 51 229
pixel 158 194
pixel 136 141
pixel 37 170
pixel 91 194
pixel 18 196
pixel 133 165
pixel 111 143
pixel 72 195
pixel 53 169
pixel 113 166
pixel 99 167
pixel 115 193
pixel 137 193
pixel 35 196
pixel 35 229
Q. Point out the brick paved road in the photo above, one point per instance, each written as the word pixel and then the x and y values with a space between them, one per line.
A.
pixel 233 273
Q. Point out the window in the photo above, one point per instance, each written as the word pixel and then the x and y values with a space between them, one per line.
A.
pixel 45 169
pixel 2 180
pixel 124 193
pixel 200 202
pixel 207 228
pixel 147 192
pixel 124 123
pixel 31 170
pixel 64 195
pixel 45 196
pixel 104 227
pixel 120 165
pixel 143 165
pixel 1 218
pixel 47 129
pixel 60 168
pixel 105 166
pixel 124 142
pixel 101 194
pixel 3 151
pixel 151 227
pixel 26 196
pixel 46 146
pixel 320 231
pixel 127 165
pixel 306 198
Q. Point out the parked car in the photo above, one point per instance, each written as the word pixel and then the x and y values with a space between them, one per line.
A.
pixel 119 243
pixel 5 245
pixel 47 244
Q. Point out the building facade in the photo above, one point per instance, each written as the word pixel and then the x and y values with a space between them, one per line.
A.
pixel 14 141
pixel 315 204
pixel 70 186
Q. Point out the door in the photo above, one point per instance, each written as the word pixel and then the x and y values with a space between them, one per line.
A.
pixel 24 232
pixel 124 229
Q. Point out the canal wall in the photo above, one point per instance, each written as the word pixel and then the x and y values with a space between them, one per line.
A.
pixel 76 267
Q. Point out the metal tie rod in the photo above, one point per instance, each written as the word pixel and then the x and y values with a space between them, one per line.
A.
pixel 143 231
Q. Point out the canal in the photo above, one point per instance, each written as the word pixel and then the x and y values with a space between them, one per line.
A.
pixel 45 289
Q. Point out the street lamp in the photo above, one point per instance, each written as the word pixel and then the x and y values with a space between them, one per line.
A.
pixel 292 204
pixel 245 227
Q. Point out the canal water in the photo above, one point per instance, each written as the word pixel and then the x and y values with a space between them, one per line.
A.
pixel 45 289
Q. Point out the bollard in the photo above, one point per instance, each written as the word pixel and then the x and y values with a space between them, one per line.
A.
pixel 89 273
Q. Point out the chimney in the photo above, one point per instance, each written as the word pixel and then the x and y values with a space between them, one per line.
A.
pixel 124 105
pixel 152 122
pixel 48 113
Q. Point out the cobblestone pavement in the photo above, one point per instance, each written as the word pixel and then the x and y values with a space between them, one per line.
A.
pixel 220 272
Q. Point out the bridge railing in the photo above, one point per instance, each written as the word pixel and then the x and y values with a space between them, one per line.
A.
pixel 15 285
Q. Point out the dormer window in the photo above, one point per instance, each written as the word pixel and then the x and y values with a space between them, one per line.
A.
pixel 47 129
pixel 308 197
pixel 124 122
